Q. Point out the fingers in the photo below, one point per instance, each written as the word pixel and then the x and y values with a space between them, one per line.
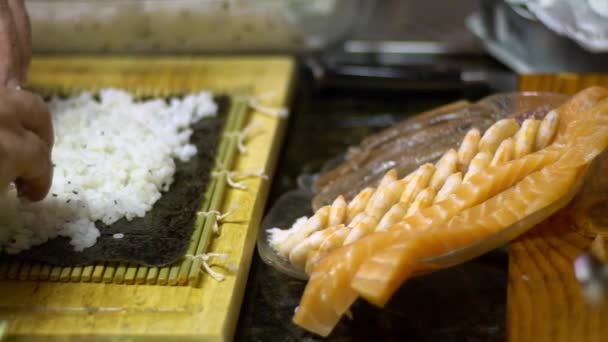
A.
pixel 35 168
pixel 24 36
pixel 26 159
pixel 32 112
pixel 26 139
pixel 10 65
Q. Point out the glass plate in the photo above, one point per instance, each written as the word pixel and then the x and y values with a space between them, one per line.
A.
pixel 295 204
pixel 287 209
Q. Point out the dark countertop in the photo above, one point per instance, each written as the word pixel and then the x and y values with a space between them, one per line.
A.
pixel 464 303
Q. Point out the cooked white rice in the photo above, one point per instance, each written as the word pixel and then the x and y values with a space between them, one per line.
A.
pixel 112 157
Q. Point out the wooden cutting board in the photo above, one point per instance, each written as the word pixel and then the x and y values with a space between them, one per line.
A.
pixel 545 302
pixel 65 310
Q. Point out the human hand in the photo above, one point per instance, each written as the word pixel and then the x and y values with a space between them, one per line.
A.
pixel 26 139
pixel 15 43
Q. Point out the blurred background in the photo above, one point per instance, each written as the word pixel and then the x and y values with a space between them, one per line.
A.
pixel 523 35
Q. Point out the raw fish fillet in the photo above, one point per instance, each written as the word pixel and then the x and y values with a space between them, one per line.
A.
pixel 381 275
pixel 328 294
pixel 486 203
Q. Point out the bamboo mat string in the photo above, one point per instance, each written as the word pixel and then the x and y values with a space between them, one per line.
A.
pixel 243 135
pixel 219 217
pixel 206 266
pixel 231 177
pixel 254 103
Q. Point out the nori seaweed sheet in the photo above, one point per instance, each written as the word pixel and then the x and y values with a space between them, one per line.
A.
pixel 162 236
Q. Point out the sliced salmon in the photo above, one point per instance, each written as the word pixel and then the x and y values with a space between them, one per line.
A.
pixel 328 294
pixel 578 103
pixel 382 274
pixel 487 202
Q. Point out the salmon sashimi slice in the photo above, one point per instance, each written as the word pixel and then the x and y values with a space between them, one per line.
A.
pixel 335 238
pixel 299 253
pixel 484 184
pixel 316 222
pixel 580 102
pixel 328 294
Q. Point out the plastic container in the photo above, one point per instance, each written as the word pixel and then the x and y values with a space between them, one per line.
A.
pixel 188 26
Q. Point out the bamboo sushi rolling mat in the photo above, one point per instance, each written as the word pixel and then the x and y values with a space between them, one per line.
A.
pixel 177 302
pixel 544 301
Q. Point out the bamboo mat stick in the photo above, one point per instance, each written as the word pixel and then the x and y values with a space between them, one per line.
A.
pixel 76 274
pixel 109 271
pixel 87 273
pixel 152 276
pixel 35 271
pixel 130 273
pixel 141 275
pixel 55 273
pixel 45 272
pixel 98 272
pixel 119 275
pixel 241 107
pixel 163 276
pixel 65 274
